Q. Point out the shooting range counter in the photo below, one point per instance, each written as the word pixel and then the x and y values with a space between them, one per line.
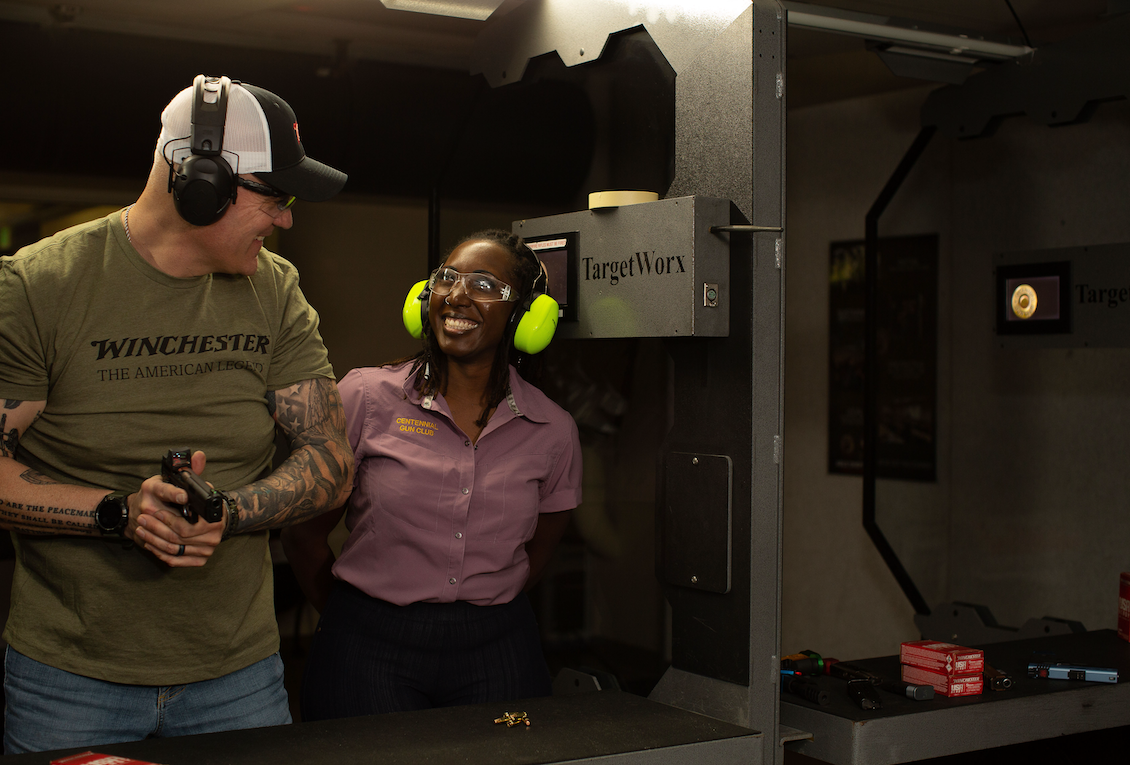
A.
pixel 607 726
pixel 1032 709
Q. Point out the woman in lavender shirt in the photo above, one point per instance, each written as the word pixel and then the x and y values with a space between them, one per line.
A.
pixel 466 474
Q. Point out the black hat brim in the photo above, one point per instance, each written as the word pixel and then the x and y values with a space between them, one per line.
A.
pixel 309 180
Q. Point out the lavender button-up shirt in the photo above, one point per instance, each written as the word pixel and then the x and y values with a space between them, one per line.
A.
pixel 436 518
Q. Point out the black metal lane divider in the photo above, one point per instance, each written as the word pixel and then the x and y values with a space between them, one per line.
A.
pixel 871 368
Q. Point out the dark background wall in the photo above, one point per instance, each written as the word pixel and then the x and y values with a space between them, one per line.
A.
pixel 83 101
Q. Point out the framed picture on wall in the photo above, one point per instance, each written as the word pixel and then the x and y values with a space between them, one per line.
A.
pixel 907 357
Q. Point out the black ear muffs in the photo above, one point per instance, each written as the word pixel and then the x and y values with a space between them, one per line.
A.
pixel 202 189
pixel 205 185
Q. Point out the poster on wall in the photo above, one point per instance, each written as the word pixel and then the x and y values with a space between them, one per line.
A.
pixel 907 358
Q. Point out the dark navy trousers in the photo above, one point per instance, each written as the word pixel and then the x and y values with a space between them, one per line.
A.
pixel 369 656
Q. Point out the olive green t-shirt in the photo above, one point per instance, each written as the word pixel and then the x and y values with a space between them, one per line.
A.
pixel 133 362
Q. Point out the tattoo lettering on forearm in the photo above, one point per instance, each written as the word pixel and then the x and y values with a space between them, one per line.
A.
pixel 12 403
pixel 31 518
pixel 318 474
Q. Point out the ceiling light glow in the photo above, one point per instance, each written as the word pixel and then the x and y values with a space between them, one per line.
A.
pixel 479 10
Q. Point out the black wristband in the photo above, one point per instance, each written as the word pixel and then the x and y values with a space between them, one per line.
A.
pixel 233 516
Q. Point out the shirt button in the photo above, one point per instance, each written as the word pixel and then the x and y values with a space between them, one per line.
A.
pixel 466 491
pixel 466 443
pixel 458 534
pixel 451 580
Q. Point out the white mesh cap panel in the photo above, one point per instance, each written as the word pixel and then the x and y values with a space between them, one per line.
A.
pixel 247 138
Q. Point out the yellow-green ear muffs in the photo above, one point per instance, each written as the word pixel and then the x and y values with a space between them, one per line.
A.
pixel 415 309
pixel 536 327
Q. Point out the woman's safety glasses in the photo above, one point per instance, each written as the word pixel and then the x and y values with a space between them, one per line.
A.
pixel 480 287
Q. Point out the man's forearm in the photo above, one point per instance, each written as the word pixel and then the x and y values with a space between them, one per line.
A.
pixel 318 474
pixel 32 503
pixel 312 480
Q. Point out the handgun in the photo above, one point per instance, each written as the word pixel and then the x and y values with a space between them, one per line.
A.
pixel 997 680
pixel 846 671
pixel 897 687
pixel 863 693
pixel 860 685
pixel 203 500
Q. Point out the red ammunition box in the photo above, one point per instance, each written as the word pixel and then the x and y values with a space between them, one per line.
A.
pixel 1124 606
pixel 947 658
pixel 92 758
pixel 945 685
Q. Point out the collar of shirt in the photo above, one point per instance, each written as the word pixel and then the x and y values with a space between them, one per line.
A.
pixel 519 400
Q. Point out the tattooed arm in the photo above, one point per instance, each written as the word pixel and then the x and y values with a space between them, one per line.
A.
pixel 318 474
pixel 30 501
pixel 33 503
pixel 316 477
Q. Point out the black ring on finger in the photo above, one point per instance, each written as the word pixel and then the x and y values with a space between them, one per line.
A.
pixel 180 552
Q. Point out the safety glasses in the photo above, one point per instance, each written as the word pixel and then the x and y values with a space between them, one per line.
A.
pixel 285 201
pixel 480 287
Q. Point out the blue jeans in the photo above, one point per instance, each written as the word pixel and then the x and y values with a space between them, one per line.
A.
pixel 48 708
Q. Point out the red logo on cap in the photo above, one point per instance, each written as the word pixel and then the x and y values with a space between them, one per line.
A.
pixel 296 136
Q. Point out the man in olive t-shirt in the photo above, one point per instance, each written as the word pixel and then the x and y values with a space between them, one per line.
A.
pixel 163 326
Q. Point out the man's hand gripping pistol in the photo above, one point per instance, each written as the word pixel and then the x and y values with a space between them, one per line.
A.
pixel 203 500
